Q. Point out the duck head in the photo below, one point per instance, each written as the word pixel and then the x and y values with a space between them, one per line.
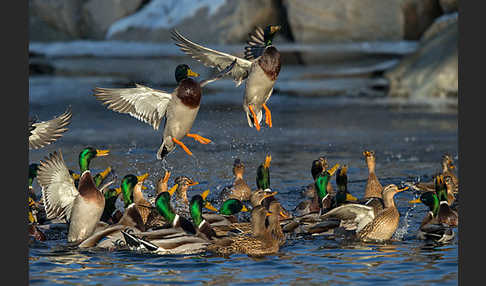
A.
pixel 32 173
pixel 87 154
pixel 319 166
pixel 370 160
pixel 263 174
pixel 342 183
pixel 389 192
pixel 269 32
pixel 232 206
pixel 321 184
pixel 183 183
pixel 429 199
pixel 183 71
pixel 238 168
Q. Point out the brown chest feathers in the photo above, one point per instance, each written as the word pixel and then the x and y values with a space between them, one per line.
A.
pixel 270 62
pixel 189 92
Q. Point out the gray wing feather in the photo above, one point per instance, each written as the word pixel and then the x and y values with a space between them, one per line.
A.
pixel 45 132
pixel 144 103
pixel 220 75
pixel 58 190
pixel 255 44
pixel 212 58
pixel 359 214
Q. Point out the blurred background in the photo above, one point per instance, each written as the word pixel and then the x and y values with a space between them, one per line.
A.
pixel 397 48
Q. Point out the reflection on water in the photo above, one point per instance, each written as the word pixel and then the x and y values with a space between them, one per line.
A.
pixel 408 140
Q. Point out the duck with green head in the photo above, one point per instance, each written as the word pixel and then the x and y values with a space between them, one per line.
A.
pixel 226 214
pixel 131 188
pixel 85 157
pixel 431 228
pixel 263 194
pixel 151 106
pixel 82 207
pixel 260 68
pixel 445 215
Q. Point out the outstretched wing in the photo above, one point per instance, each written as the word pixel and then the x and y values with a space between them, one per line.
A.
pixel 45 132
pixel 214 59
pixel 58 190
pixel 255 44
pixel 358 214
pixel 144 103
pixel 220 75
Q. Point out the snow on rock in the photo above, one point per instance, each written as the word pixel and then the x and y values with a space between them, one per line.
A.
pixel 163 14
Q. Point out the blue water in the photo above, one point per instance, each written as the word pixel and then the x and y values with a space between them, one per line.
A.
pixel 409 141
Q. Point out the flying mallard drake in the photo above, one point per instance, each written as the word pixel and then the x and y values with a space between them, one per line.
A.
pixel 240 189
pixel 82 207
pixel 260 69
pixel 431 228
pixel 362 219
pixel 45 132
pixel 149 105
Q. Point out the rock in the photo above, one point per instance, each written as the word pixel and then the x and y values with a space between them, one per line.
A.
pixel 76 19
pixel 61 15
pixel 449 6
pixel 324 21
pixel 432 70
pixel 418 15
pixel 203 21
pixel 97 16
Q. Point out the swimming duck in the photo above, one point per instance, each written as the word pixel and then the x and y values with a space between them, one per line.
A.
pixel 373 190
pixel 447 165
pixel 240 189
pixel 318 166
pixel 362 219
pixel 445 215
pixel 180 201
pixel 431 228
pixel 85 157
pixel 82 207
pixel 111 195
pixel 45 132
pixel 259 243
pixel 149 105
pixel 131 190
pixel 260 69
pixel 322 200
pixel 226 213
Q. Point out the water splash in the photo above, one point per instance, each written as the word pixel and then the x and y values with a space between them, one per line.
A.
pixel 401 231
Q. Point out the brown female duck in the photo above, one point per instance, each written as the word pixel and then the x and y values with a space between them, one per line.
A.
pixel 240 189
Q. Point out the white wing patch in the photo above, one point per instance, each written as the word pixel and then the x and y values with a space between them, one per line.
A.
pixel 144 103
pixel 58 190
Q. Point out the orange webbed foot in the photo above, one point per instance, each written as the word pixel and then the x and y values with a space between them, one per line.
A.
pixel 255 119
pixel 182 146
pixel 268 116
pixel 199 138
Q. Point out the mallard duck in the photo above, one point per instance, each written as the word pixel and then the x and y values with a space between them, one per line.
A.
pixel 226 213
pixel 263 190
pixel 431 228
pixel 260 243
pixel 179 200
pixel 240 189
pixel 318 166
pixel 445 215
pixel 82 207
pixel 373 190
pixel 85 157
pixel 322 200
pixel 260 69
pixel 131 189
pixel 149 105
pixel 45 132
pixel 447 165
pixel 362 219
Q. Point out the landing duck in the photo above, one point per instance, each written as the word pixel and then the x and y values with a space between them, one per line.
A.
pixel 44 133
pixel 151 106
pixel 260 68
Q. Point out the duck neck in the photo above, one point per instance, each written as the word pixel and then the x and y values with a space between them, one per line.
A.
pixel 371 165
pixel 181 194
pixel 84 161
pixel 137 193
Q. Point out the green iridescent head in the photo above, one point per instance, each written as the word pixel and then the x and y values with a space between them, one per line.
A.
pixel 232 206
pixel 322 181
pixel 440 188
pixel 269 32
pixel 162 204
pixel 429 199
pixel 195 208
pixel 263 174
pixel 127 184
pixel 183 71
pixel 87 154
pixel 32 173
